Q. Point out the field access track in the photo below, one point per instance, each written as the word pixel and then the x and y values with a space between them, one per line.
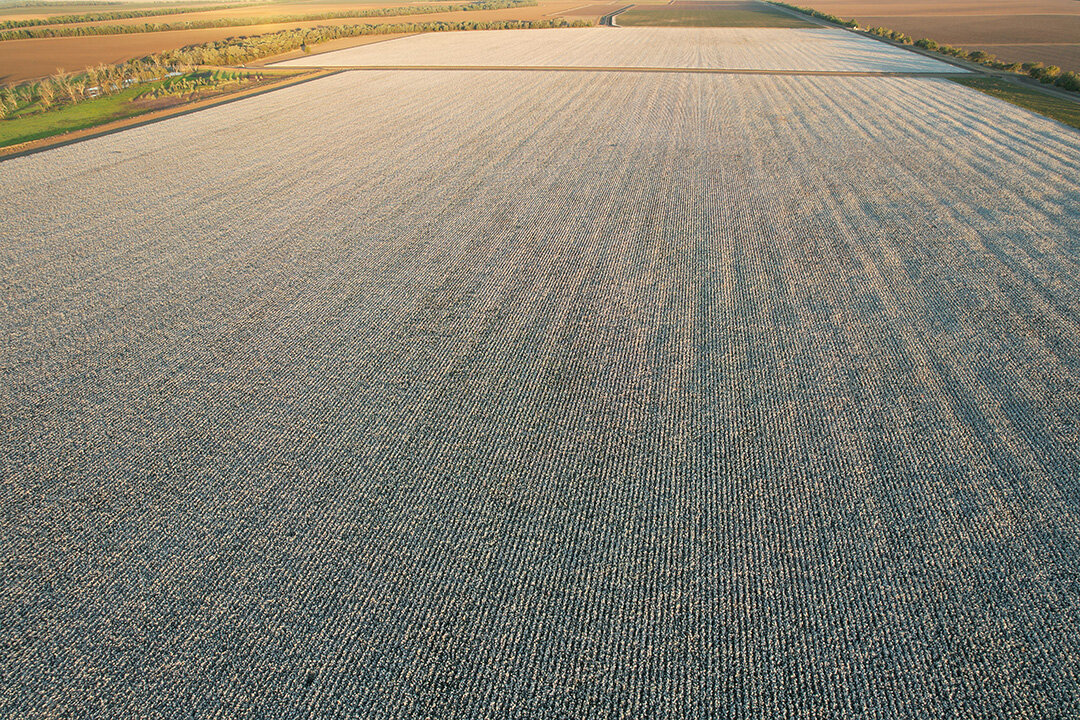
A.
pixel 680 395
pixel 779 49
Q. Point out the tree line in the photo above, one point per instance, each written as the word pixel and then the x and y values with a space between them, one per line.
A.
pixel 65 88
pixel 111 15
pixel 50 31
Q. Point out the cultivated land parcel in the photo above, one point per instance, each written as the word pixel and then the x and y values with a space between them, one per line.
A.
pixel 681 48
pixel 507 394
pixel 1035 30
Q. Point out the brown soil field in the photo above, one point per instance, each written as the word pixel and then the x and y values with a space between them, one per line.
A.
pixel 1066 56
pixel 976 30
pixel 1042 30
pixel 906 8
pixel 28 59
pixel 1051 39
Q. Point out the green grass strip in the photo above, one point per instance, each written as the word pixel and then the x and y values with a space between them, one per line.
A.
pixel 1064 111
pixel 67 118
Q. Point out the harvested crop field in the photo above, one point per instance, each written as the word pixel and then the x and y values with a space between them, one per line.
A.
pixel 567 395
pixel 710 14
pixel 19 10
pixel 640 47
pixel 594 10
pixel 217 8
pixel 271 9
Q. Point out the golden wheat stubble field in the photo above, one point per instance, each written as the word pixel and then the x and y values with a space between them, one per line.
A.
pixel 256 10
pixel 221 8
pixel 22 60
pixel 1045 31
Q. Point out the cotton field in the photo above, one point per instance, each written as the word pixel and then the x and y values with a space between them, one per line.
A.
pixel 640 47
pixel 554 394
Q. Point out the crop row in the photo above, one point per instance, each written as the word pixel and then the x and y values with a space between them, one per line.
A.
pixel 538 395
pixel 722 48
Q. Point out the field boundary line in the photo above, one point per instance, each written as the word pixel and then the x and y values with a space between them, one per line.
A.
pixel 609 19
pixel 610 69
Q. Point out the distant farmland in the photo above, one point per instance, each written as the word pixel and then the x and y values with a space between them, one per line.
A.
pixel 691 13
pixel 22 60
pixel 1044 30
pixel 549 394
pixel 817 49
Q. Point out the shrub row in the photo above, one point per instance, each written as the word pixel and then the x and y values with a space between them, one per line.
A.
pixel 191 83
pixel 51 31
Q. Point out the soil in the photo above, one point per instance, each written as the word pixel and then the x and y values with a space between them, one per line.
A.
pixel 907 8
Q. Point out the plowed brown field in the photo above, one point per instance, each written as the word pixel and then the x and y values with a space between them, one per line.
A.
pixel 852 8
pixel 1044 30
